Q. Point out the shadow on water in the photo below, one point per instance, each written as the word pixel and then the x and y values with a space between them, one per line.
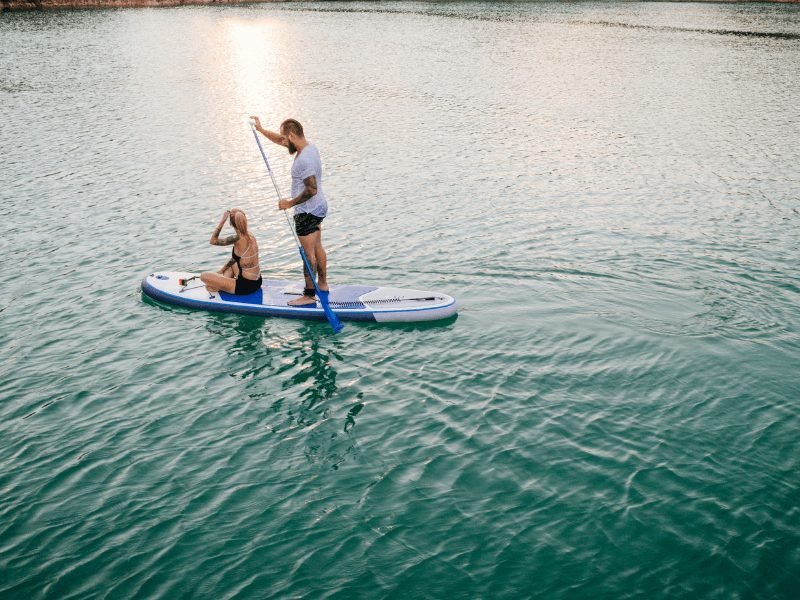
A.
pixel 291 374
pixel 443 324
pixel 314 375
pixel 289 369
pixel 312 401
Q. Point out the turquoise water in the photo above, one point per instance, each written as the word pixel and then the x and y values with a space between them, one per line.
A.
pixel 610 191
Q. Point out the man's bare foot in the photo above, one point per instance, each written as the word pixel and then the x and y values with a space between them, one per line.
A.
pixel 302 301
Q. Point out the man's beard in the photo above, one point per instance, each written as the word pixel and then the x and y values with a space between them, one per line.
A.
pixel 292 148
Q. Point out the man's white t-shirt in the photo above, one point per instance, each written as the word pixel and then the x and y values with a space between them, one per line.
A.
pixel 308 163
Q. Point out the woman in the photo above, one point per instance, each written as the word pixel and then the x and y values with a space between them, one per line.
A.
pixel 241 274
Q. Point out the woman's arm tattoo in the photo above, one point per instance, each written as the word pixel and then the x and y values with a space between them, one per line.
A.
pixel 231 239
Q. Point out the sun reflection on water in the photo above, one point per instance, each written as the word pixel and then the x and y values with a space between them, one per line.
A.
pixel 256 57
pixel 257 83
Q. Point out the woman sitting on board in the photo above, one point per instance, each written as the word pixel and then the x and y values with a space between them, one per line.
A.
pixel 241 274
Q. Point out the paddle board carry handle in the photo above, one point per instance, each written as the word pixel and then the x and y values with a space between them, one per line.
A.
pixel 185 281
pixel 336 324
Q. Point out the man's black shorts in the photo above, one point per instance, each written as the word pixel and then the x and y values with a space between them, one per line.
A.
pixel 305 223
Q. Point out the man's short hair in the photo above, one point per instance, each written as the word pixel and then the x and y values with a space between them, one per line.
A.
pixel 292 126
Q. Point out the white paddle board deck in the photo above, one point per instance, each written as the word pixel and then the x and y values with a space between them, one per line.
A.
pixel 349 302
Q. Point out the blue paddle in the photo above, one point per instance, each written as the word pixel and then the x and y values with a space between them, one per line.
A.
pixel 323 297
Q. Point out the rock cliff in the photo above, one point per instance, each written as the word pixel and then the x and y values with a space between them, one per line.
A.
pixel 56 4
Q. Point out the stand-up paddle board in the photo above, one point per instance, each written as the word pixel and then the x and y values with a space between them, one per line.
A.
pixel 349 302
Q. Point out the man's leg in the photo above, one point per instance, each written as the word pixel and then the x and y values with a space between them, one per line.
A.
pixel 322 264
pixel 308 242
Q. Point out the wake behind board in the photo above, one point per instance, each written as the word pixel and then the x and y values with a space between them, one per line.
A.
pixel 349 302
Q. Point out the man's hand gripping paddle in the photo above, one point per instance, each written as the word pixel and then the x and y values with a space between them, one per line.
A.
pixel 323 296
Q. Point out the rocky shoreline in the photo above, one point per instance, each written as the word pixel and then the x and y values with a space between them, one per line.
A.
pixel 16 5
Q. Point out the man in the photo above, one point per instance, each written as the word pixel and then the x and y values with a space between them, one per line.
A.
pixel 308 200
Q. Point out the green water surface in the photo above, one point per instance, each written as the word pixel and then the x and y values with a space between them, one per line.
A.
pixel 610 190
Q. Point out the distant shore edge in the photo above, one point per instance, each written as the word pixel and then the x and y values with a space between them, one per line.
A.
pixel 21 5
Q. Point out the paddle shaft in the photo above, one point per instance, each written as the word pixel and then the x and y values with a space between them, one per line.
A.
pixel 275 185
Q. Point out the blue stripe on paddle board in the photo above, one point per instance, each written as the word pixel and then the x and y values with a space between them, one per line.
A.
pixel 256 297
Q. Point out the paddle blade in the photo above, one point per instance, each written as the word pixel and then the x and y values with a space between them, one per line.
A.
pixel 323 296
pixel 332 318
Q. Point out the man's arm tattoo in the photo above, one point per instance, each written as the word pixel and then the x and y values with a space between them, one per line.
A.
pixel 309 191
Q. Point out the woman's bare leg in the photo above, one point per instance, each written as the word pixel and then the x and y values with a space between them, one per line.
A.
pixel 215 282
